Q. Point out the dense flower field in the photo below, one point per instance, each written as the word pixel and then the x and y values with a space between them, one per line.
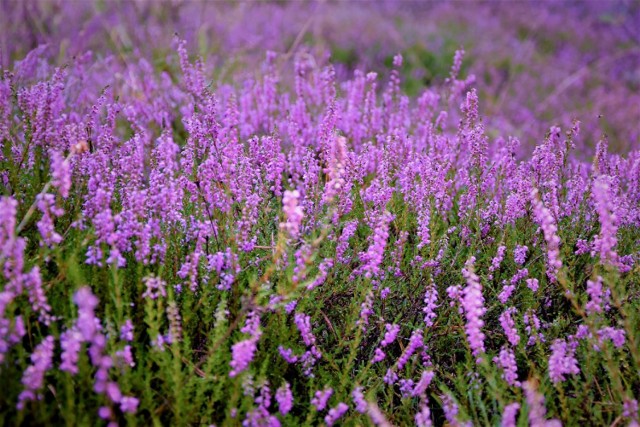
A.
pixel 244 225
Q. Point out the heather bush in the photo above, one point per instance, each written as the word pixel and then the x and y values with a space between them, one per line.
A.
pixel 290 246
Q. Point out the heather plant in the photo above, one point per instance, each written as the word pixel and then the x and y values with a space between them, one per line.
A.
pixel 304 251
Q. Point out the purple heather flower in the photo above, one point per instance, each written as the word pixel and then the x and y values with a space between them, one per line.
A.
pixel 129 404
pixel 376 416
pixel 421 386
pixel 325 266
pixel 321 397
pixel 532 328
pixel 390 335
pixel 455 294
pixel 509 415
pixel 287 354
pixel 242 355
pixel 536 408
pixel 473 304
pixel 289 307
pixel 545 219
pixel 293 213
pixel 303 322
pixel 450 408
pixel 583 247
pixel 358 400
pixel 509 326
pixel 605 242
pixel 336 413
pixel 415 343
pixel 242 352
pixel 423 416
pixel 46 203
pixel 375 253
pixel 506 293
pixel 155 288
pixel 497 260
pixel 284 397
pixel 348 231
pixel 430 301
pixel 365 311
pixel 562 361
pixel 124 357
pixel 617 336
pixel 126 331
pixel 507 361
pixel 71 343
pixel 378 356
pixel 105 412
pixel 595 292
pixel 520 254
pixel 630 409
pixel 33 378
pixel 406 387
pixel 60 173
pixel 390 377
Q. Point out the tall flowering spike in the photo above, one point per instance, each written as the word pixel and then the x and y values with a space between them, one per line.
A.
pixel 415 343
pixel 520 254
pixel 507 361
pixel 509 415
pixel 451 410
pixel 33 378
pixel 547 222
pixel 617 336
pixel 335 169
pixel 260 416
pixel 71 343
pixel 366 310
pixel 497 260
pixel 175 322
pixel 47 205
pixel 536 408
pixel 605 242
pixel 242 352
pixel 8 210
pixel 533 328
pixel 86 302
pixel 321 397
pixel 430 304
pixel 375 253
pixel 284 397
pixel 303 322
pixel 473 305
pixel 336 413
pixel 193 75
pixel 358 399
pixel 509 326
pixel 241 356
pixel 470 109
pixel 423 416
pixel 292 212
pixel 60 173
pixel 390 334
pixel 596 296
pixel 422 384
pixel 457 64
pixel 630 410
pixel 562 361
pixel 376 416
pixel 348 231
